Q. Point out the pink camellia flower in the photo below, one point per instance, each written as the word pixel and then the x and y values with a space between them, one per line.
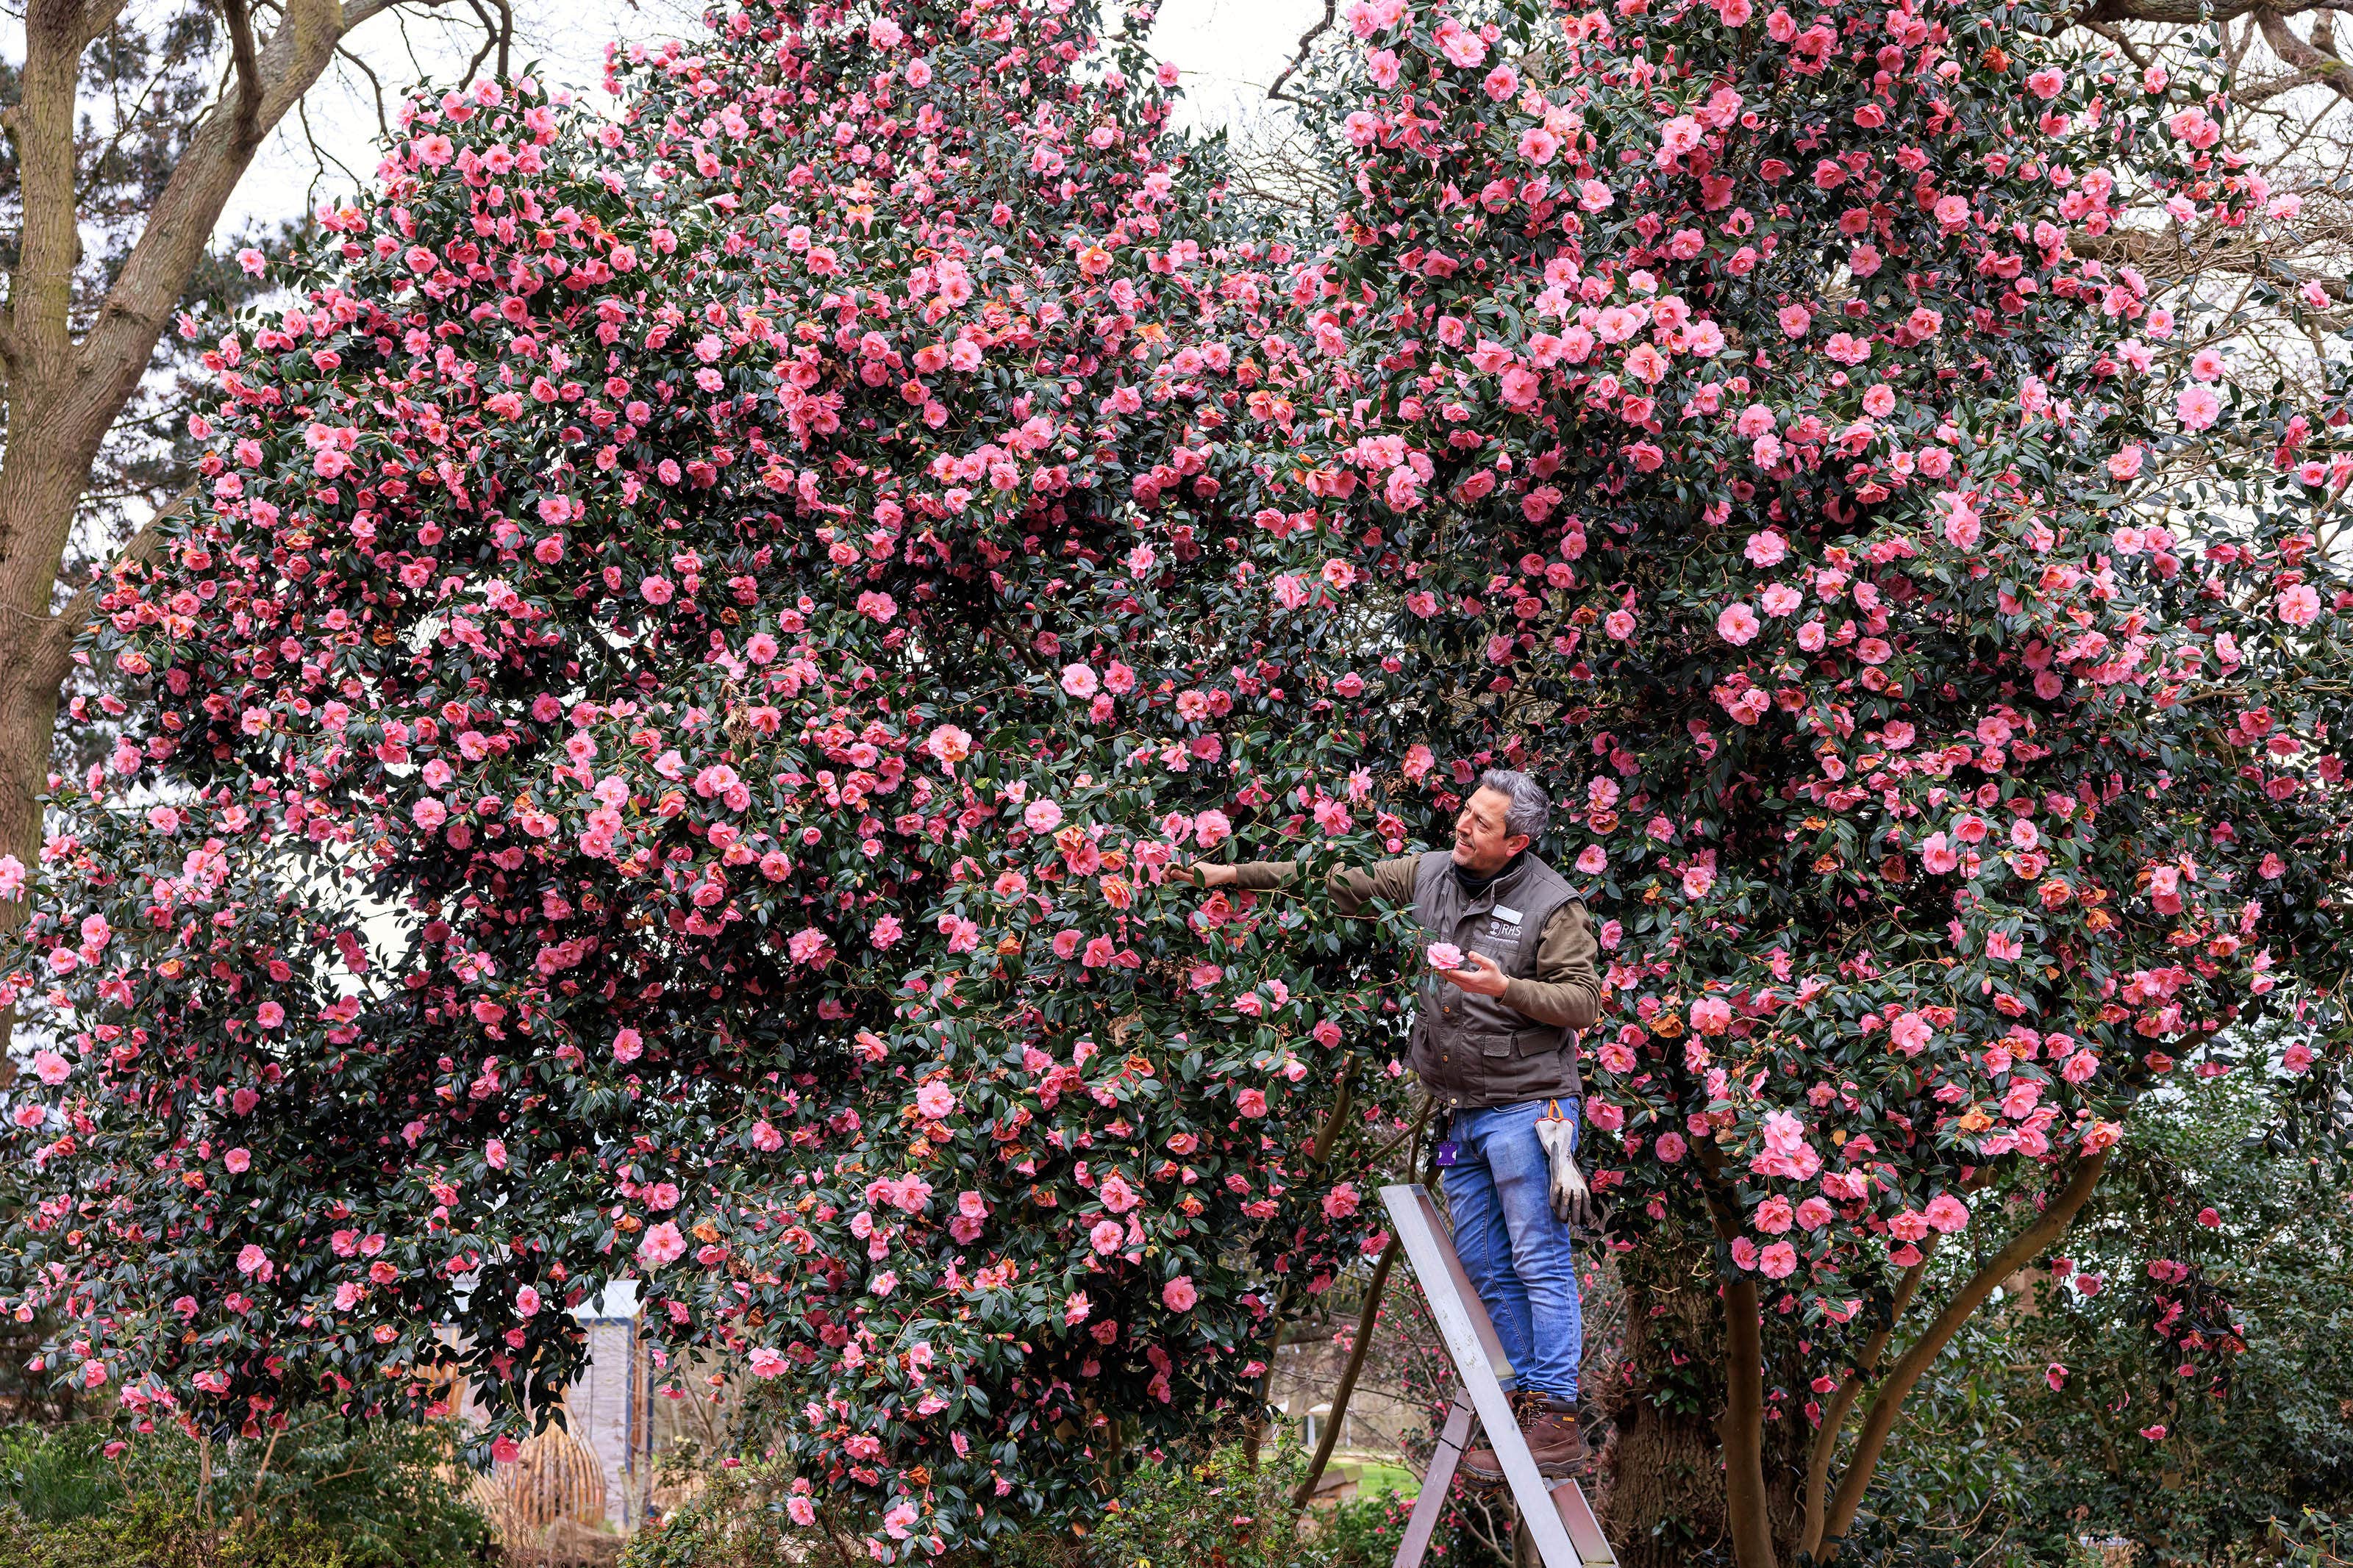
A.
pixel 252 1260
pixel 766 1360
pixel 504 1451
pixel 495 1154
pixel 1042 815
pixel 270 1016
pixel 2198 407
pixel 1079 680
pixel 239 1160
pixel 1105 1236
pixel 1178 1295
pixel 51 1068
pixel 1777 1261
pixel 1737 625
pixel 1619 624
pixel 803 1511
pixel 935 1101
pixel 1251 1102
pixel 1947 1214
pixel 1910 1033
pixel 628 1046
pixel 2298 605
pixel 662 1244
pixel 1444 955
pixel 527 1302
pixel 2056 1374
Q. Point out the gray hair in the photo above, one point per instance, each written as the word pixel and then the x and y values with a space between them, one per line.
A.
pixel 1531 808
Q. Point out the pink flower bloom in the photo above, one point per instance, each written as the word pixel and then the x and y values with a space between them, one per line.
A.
pixel 1042 815
pixel 1079 680
pixel 2198 407
pixel 1737 625
pixel 935 1101
pixel 1178 1295
pixel 51 1068
pixel 239 1160
pixel 627 1045
pixel 527 1302
pixel 1444 955
pixel 1105 1235
pixel 662 1244
pixel 766 1362
pixel 2298 605
pixel 1777 1261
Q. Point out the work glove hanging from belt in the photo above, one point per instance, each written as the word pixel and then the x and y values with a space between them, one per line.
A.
pixel 1573 1203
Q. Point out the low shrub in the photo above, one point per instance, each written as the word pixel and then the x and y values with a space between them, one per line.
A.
pixel 320 1496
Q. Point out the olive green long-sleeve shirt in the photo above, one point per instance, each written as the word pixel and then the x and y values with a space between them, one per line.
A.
pixel 1565 990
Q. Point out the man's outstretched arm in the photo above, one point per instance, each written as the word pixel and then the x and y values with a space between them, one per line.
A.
pixel 1351 887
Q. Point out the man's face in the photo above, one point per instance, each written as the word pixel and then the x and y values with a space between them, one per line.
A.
pixel 1481 843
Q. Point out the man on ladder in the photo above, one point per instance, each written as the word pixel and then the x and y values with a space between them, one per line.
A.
pixel 1495 1044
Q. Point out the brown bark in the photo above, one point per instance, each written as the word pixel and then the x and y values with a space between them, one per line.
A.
pixel 62 389
pixel 1663 1492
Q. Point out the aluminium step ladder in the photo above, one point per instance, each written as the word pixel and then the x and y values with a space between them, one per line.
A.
pixel 1556 1515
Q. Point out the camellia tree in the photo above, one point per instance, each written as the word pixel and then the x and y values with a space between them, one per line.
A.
pixel 657 757
pixel 1769 473
pixel 659 754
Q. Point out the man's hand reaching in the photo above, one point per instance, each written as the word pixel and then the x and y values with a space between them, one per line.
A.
pixel 1480 974
pixel 1206 873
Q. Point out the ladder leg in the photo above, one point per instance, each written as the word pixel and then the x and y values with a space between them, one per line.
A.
pixel 1434 1485
pixel 1585 1534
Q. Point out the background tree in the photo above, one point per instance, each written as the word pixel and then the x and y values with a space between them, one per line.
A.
pixel 127 131
pixel 747 585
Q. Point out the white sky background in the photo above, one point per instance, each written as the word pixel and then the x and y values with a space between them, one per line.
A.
pixel 1229 50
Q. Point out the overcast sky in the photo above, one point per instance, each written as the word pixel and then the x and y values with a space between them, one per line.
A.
pixel 1228 50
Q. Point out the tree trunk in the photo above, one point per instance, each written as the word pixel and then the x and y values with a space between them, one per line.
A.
pixel 1663 1500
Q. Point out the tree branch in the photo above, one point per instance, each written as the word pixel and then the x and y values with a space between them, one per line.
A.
pixel 248 73
pixel 1366 1321
pixel 1885 1404
pixel 2322 65
pixel 1818 1464
pixel 1298 55
pixel 1741 1428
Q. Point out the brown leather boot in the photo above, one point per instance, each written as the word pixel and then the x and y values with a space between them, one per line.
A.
pixel 1554 1437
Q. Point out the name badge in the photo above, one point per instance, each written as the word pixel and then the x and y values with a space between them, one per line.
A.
pixel 1508 915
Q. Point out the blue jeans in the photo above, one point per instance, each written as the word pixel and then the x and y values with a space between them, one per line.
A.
pixel 1517 1254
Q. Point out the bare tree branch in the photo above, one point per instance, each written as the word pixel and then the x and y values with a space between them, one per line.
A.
pixel 248 71
pixel 2322 65
pixel 1298 55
